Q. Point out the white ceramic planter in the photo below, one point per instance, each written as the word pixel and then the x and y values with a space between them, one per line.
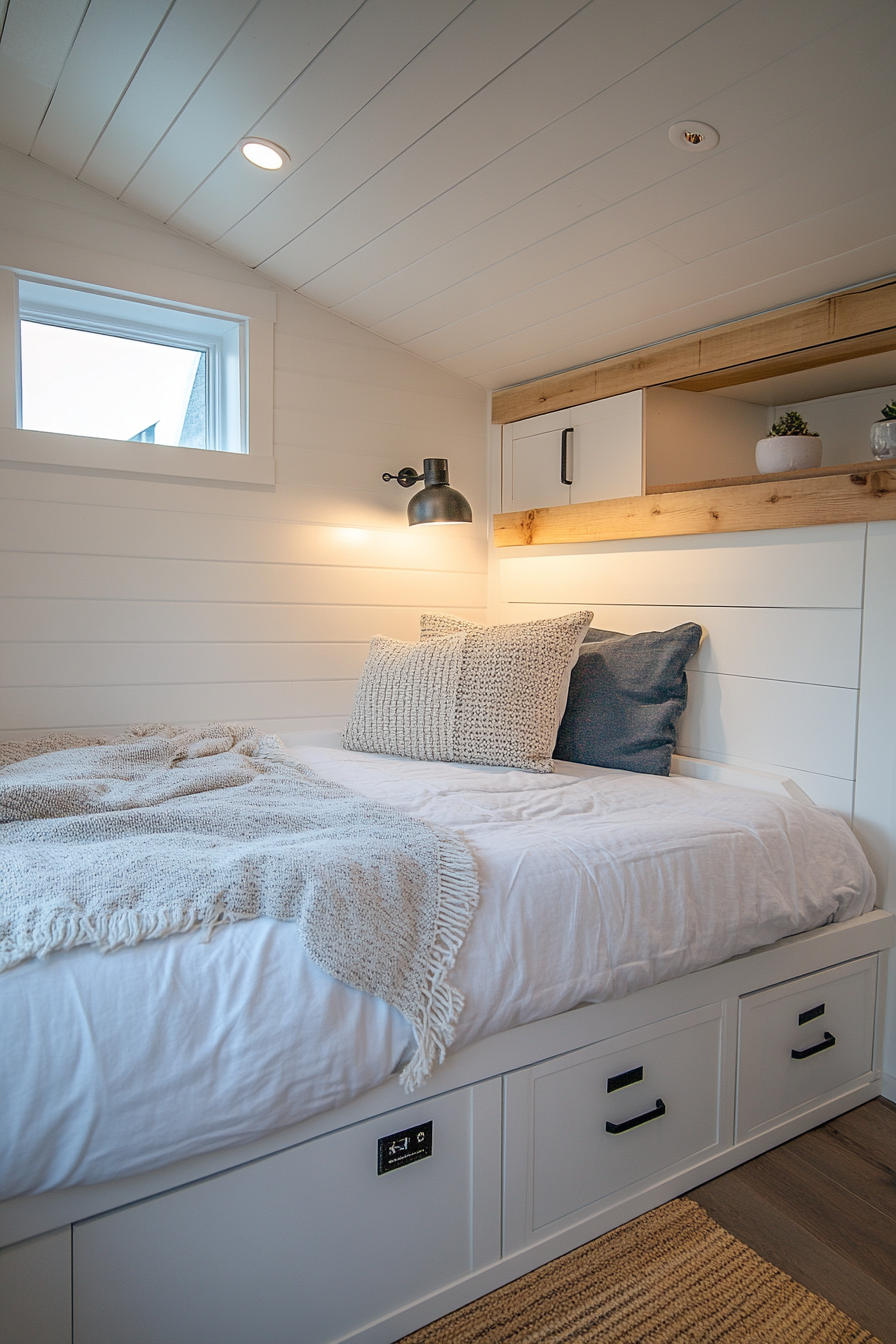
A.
pixel 788 452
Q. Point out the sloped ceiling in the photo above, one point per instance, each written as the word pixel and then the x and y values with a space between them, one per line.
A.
pixel 490 184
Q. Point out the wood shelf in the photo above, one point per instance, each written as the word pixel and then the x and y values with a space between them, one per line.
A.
pixel 807 473
pixel 850 493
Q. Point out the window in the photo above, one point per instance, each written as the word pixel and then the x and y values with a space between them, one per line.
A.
pixel 107 367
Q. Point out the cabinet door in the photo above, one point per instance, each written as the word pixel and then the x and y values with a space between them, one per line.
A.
pixel 603 455
pixel 802 1042
pixel 304 1246
pixel 531 463
pixel 609 1118
pixel 607 448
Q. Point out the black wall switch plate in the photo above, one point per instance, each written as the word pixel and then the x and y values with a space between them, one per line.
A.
pixel 398 1150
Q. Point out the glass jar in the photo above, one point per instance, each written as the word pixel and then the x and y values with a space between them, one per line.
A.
pixel 883 438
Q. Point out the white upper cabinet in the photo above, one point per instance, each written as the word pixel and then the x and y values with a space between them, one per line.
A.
pixel 599 445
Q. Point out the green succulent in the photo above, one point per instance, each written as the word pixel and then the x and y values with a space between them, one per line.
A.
pixel 791 422
pixel 889 411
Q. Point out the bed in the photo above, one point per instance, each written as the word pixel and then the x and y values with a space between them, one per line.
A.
pixel 651 980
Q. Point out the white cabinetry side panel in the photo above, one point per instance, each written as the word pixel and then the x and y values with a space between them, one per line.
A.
pixel 875 809
pixel 36 1290
pixel 287 1230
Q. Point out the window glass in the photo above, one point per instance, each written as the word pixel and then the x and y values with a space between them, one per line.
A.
pixel 107 367
pixel 110 387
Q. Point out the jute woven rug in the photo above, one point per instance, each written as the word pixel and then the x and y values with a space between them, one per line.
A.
pixel 672 1276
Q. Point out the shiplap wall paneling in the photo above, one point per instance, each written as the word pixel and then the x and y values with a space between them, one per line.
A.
pixel 785 724
pixel 143 578
pixel 801 567
pixel 816 645
pixel 759 661
pixel 92 622
pixel 130 600
pixel 774 685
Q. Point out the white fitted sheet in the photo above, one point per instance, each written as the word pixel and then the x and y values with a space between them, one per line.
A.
pixel 593 884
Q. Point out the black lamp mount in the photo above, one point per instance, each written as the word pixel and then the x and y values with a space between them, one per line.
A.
pixel 406 477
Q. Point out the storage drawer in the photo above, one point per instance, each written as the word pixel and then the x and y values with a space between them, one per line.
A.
pixel 802 1042
pixel 607 1118
pixel 306 1245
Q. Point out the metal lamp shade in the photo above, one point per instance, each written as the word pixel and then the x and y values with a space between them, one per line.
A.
pixel 438 502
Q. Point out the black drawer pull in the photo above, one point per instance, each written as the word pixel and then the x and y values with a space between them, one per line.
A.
pixel 826 1044
pixel 638 1119
pixel 564 457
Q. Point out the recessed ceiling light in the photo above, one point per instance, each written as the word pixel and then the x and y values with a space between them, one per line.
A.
pixel 693 135
pixel 264 154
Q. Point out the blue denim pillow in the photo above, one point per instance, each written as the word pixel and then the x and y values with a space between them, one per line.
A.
pixel 626 694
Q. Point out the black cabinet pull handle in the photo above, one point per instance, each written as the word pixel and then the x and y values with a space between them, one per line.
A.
pixel 564 463
pixel 826 1044
pixel 637 1119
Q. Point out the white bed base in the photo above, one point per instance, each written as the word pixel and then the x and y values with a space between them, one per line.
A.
pixel 295 1239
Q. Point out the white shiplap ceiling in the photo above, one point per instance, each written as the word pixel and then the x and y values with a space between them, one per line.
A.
pixel 490 184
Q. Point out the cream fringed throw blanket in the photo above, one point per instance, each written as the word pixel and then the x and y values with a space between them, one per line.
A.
pixel 166 829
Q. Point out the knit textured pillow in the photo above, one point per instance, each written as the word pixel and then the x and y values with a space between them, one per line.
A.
pixel 435 624
pixel 481 695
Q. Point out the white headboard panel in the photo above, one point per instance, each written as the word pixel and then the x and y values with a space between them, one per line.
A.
pixel 775 685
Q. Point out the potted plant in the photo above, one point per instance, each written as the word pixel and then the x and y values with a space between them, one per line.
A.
pixel 883 433
pixel 790 445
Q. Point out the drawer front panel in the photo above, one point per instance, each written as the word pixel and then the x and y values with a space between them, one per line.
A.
pixel 803 1040
pixel 305 1245
pixel 585 1126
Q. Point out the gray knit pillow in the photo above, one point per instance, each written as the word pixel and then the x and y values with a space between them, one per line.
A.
pixel 434 624
pixel 481 695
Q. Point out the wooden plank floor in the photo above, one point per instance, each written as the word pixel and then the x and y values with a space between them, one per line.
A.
pixel 823 1209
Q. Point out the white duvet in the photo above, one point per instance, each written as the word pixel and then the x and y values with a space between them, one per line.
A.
pixel 594 883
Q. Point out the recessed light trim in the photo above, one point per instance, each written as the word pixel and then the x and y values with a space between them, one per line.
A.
pixel 694 135
pixel 264 153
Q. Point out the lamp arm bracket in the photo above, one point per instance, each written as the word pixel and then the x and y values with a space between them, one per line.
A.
pixel 406 477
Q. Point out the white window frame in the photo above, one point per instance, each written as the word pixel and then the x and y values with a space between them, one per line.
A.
pixel 240 346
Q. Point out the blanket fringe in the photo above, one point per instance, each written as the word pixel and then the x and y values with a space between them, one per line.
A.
pixel 441 1003
pixel 124 928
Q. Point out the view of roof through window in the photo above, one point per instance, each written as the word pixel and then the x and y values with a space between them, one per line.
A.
pixel 112 387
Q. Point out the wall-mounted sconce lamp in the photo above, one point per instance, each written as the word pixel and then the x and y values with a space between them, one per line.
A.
pixel 437 502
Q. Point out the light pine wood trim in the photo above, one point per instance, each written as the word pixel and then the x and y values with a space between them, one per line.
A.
pixel 805 473
pixel 835 319
pixel 850 497
pixel 837 352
